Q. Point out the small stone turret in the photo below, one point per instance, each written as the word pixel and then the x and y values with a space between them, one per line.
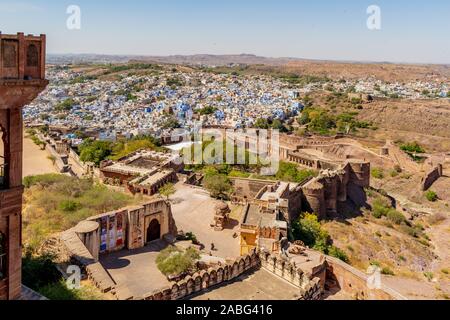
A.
pixel 344 177
pixel 88 232
pixel 314 193
pixel 221 216
pixel 360 173
pixel 330 181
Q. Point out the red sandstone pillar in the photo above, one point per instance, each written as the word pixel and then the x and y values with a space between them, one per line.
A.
pixel 15 218
pixel 43 55
pixel 22 55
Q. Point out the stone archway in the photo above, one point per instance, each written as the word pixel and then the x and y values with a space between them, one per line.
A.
pixel 32 56
pixel 153 231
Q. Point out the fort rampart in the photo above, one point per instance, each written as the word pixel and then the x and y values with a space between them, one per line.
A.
pixel 431 177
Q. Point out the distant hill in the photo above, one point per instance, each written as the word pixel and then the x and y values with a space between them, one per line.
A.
pixel 332 69
pixel 221 60
pixel 198 59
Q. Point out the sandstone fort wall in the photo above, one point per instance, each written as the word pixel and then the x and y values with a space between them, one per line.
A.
pixel 310 286
pixel 205 279
pixel 431 177
pixel 355 283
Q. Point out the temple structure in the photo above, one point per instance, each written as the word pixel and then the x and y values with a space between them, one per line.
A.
pixel 22 78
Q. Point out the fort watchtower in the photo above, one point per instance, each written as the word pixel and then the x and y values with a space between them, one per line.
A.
pixel 22 78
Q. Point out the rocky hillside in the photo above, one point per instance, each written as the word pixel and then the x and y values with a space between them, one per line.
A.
pixel 429 117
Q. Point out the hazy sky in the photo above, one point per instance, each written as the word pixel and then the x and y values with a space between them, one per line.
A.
pixel 412 30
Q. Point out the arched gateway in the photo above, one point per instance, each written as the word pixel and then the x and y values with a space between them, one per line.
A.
pixel 153 231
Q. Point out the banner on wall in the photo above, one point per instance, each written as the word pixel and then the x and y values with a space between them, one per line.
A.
pixel 119 241
pixel 103 234
pixel 112 232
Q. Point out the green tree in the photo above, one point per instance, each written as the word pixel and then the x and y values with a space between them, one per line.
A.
pixel 413 147
pixel 321 122
pixel 304 118
pixel 174 82
pixel 171 123
pixel 218 185
pixel 207 110
pixel 172 261
pixel 279 125
pixel 309 230
pixel 65 105
pixel 262 123
pixel 380 207
pixel 431 196
pixel 95 151
pixel 131 97
pixel 307 101
pixel 377 173
pixel 289 172
pixel 395 217
pixel 167 190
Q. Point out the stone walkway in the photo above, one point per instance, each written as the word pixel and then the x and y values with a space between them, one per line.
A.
pixel 261 285
pixel 31 295
pixel 35 160
pixel 94 269
pixel 193 211
pixel 135 272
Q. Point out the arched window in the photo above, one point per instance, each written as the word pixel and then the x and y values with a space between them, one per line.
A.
pixel 9 54
pixel 32 56
pixel 2 256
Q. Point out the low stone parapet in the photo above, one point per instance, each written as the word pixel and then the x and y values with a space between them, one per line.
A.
pixel 95 271
pixel 431 177
pixel 310 284
pixel 355 283
pixel 205 279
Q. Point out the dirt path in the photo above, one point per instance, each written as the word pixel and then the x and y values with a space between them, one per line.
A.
pixel 77 170
pixel 439 235
pixel 35 160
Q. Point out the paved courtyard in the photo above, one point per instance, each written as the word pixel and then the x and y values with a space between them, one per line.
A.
pixel 261 285
pixel 193 211
pixel 135 272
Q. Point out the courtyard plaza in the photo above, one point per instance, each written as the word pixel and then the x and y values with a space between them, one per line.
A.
pixel 257 286
pixel 193 210
pixel 135 272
